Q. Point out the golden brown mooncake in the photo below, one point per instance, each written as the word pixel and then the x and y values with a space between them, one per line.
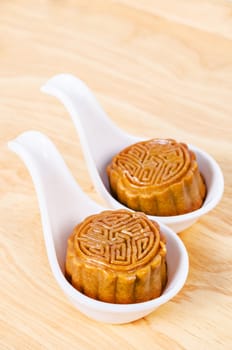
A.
pixel 158 177
pixel 118 257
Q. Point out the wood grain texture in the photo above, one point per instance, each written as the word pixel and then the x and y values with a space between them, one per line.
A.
pixel 160 69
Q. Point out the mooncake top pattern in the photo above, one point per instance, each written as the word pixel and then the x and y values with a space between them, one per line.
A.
pixel 120 240
pixel 156 162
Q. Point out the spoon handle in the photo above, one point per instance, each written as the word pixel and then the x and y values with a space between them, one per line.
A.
pixel 95 129
pixel 62 202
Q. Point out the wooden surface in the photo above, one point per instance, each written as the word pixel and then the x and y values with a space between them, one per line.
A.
pixel 160 69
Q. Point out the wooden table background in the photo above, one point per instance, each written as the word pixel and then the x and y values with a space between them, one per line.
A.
pixel 159 69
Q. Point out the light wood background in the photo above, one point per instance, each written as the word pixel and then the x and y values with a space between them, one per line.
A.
pixel 160 69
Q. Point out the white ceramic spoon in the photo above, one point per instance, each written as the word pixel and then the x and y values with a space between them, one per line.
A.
pixel 101 140
pixel 63 205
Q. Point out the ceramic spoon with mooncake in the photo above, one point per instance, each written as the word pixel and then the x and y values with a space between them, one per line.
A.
pixel 102 140
pixel 130 247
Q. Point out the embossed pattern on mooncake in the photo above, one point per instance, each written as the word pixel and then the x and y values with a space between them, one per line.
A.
pixel 117 256
pixel 158 177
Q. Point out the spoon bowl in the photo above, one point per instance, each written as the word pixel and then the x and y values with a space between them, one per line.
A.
pixel 101 139
pixel 62 206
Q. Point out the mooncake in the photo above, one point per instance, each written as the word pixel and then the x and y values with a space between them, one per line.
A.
pixel 117 257
pixel 158 177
